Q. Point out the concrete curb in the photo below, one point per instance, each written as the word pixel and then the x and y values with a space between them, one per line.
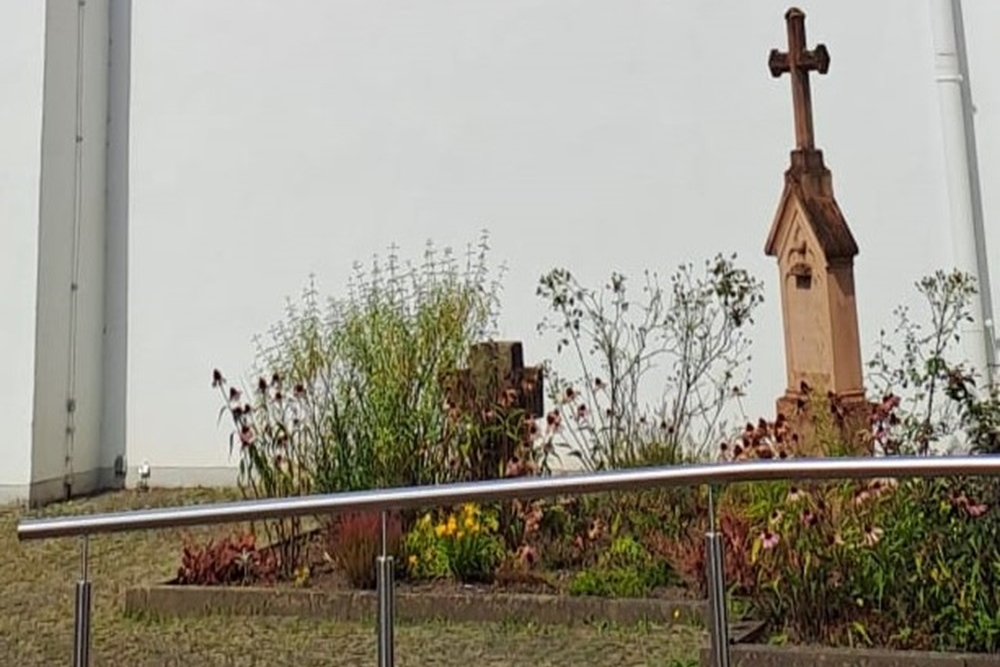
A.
pixel 473 607
pixel 759 655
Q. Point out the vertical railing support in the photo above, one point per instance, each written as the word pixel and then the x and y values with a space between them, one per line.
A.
pixel 715 573
pixel 385 581
pixel 81 615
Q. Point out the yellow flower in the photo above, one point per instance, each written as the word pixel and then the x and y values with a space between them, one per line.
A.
pixel 440 529
pixel 452 526
pixel 470 510
pixel 425 521
pixel 470 523
pixel 413 560
pixel 459 535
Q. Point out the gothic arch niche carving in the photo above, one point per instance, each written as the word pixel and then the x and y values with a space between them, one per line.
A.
pixel 801 276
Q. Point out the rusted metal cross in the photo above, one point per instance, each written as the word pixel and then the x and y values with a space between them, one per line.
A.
pixel 798 61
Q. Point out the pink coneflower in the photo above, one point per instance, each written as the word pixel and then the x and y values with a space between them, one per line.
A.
pixel 526 555
pixel 514 468
pixel 775 517
pixel 553 420
pixel 595 530
pixel 509 397
pixel 873 535
pixel 976 510
pixel 969 506
pixel 882 485
pixel 769 539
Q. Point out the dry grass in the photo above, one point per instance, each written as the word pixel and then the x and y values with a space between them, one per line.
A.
pixel 36 608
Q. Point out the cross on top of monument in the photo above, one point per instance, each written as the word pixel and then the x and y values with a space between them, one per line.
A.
pixel 798 62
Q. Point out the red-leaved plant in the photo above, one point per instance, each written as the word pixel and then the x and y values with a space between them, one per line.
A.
pixel 354 541
pixel 232 560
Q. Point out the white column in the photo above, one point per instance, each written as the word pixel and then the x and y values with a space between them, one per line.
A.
pixel 78 420
pixel 115 360
pixel 966 211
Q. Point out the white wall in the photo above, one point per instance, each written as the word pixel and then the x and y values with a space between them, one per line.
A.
pixel 21 45
pixel 274 140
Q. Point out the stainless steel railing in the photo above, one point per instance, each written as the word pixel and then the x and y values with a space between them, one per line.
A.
pixel 523 488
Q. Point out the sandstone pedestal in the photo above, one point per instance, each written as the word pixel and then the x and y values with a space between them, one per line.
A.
pixel 829 425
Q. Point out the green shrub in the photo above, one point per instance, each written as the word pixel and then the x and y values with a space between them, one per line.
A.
pixel 625 570
pixel 914 564
pixel 361 389
pixel 350 394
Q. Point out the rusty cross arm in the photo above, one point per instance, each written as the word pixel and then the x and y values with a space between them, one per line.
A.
pixel 798 62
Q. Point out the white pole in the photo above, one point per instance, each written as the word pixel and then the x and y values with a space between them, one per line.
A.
pixel 966 211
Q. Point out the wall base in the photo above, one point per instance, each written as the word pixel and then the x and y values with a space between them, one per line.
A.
pixel 177 477
pixel 82 484
pixel 14 494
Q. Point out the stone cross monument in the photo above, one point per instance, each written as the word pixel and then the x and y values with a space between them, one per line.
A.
pixel 815 252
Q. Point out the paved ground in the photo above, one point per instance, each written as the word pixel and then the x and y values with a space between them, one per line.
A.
pixel 36 602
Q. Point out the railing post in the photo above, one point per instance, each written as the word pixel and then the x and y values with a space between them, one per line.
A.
pixel 81 616
pixel 718 623
pixel 385 582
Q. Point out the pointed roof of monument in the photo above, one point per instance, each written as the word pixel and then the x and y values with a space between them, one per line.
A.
pixel 807 180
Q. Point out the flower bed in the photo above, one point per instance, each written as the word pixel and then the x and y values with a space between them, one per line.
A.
pixel 359 397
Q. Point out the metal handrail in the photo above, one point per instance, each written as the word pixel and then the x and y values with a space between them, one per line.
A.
pixel 486 491
pixel 412 497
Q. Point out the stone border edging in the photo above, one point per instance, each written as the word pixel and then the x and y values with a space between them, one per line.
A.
pixel 761 655
pixel 174 601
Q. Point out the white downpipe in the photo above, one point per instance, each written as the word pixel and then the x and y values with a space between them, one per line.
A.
pixel 962 170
